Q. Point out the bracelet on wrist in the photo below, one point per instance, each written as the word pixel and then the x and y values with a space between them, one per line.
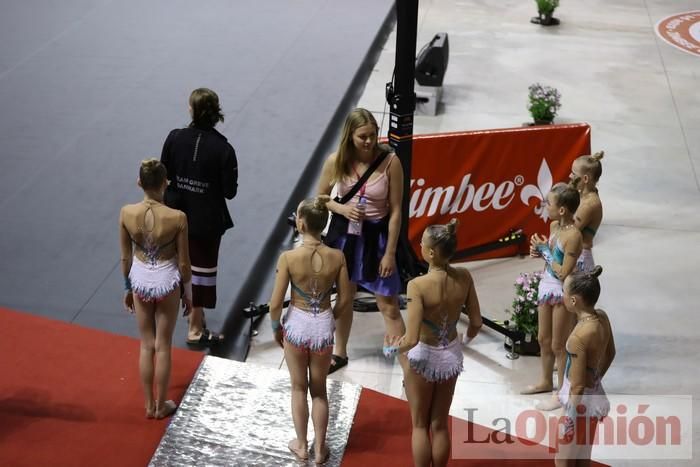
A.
pixel 276 325
pixel 390 350
pixel 127 284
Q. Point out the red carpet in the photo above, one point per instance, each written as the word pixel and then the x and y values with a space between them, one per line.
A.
pixel 71 395
pixel 381 435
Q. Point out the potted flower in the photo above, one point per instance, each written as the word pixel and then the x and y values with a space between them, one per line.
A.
pixel 523 312
pixel 544 102
pixel 545 10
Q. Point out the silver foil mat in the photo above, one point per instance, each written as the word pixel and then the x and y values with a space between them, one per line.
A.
pixel 237 413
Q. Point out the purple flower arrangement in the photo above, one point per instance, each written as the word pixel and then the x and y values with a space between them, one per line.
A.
pixel 524 309
pixel 544 102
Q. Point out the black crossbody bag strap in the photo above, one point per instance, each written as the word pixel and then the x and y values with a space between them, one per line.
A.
pixel 365 176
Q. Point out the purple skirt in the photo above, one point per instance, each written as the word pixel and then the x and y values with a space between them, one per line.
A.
pixel 384 286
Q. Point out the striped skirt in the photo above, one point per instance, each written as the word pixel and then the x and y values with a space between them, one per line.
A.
pixel 204 256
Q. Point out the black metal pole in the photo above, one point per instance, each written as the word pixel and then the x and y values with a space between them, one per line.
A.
pixel 402 102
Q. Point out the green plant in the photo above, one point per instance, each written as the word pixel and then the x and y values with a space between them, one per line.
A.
pixel 524 309
pixel 544 102
pixel 547 7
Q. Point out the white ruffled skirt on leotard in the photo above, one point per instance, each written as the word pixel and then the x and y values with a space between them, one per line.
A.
pixel 585 261
pixel 437 364
pixel 307 331
pixel 154 281
pixel 594 399
pixel 550 290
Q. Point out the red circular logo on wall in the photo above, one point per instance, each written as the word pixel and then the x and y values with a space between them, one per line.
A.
pixel 681 31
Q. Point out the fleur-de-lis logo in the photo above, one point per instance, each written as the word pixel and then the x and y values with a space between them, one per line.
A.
pixel 544 184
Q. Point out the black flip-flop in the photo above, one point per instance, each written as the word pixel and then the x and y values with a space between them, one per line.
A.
pixel 206 338
pixel 337 362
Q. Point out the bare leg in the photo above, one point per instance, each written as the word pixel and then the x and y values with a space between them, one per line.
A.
pixel 544 338
pixel 568 454
pixel 145 316
pixel 298 364
pixel 343 325
pixel 195 323
pixel 318 371
pixel 562 325
pixel 393 322
pixel 419 393
pixel 584 457
pixel 439 416
pixel 576 450
pixel 166 317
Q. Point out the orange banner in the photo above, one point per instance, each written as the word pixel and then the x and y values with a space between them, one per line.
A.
pixel 491 181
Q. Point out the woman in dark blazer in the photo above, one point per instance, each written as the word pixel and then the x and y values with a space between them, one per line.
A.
pixel 203 173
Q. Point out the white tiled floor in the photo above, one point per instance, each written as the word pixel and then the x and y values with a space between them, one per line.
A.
pixel 640 96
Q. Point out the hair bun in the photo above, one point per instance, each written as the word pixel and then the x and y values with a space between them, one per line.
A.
pixel 451 226
pixel 152 174
pixel 320 201
pixel 596 271
pixel 149 164
pixel 598 155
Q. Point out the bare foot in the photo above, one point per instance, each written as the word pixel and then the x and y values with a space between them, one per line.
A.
pixel 167 410
pixel 301 450
pixel 322 457
pixel 549 404
pixel 537 388
pixel 150 412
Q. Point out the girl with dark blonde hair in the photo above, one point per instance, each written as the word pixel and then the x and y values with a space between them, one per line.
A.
pixel 306 332
pixel 589 215
pixel 155 262
pixel 430 352
pixel 366 225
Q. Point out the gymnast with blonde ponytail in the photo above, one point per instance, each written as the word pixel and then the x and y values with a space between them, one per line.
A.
pixel 155 262
pixel 306 331
pixel 430 352
pixel 589 215
pixel 560 252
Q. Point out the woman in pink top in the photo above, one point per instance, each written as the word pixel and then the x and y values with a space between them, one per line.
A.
pixel 374 218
